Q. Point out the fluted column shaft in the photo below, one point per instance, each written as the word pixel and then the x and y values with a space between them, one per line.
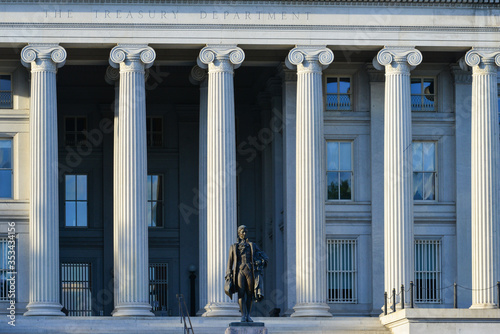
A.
pixel 113 78
pixel 44 280
pixel 221 172
pixel 310 189
pixel 398 168
pixel 485 221
pixel 199 76
pixel 131 249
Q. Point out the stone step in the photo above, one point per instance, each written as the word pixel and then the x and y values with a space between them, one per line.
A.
pixel 201 325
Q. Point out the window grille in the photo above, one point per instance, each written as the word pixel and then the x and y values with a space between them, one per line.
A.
pixel 339 170
pixel 424 171
pixel 6 169
pixel 338 94
pixel 4 269
pixel 342 270
pixel 154 130
pixel 76 288
pixel 155 201
pixel 76 200
pixel 423 97
pixel 158 286
pixel 5 91
pixel 75 130
pixel 427 271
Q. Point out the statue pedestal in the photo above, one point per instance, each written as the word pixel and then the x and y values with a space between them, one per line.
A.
pixel 246 328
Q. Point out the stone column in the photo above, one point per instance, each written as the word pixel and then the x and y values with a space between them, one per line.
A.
pixel 113 78
pixel 484 171
pixel 310 186
pixel 398 168
pixel 221 172
pixel 131 248
pixel 44 280
pixel 199 76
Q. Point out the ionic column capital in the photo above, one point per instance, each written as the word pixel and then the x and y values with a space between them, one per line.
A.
pixel 483 60
pixel 311 58
pixel 221 58
pixel 198 75
pixel 397 59
pixel 132 57
pixel 43 57
pixel 112 76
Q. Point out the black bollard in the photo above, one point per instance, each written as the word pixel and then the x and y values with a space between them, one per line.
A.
pixel 455 295
pixel 393 300
pixel 402 296
pixel 385 303
pixel 411 294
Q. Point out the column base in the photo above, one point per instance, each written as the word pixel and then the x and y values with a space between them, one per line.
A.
pixel 311 310
pixel 44 308
pixel 483 306
pixel 133 310
pixel 222 310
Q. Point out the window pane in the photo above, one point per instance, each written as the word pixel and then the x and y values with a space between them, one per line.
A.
pixel 429 156
pixel 71 187
pixel 5 82
pixel 157 124
pixel 157 140
pixel 149 120
pixel 149 214
pixel 81 124
pixel 81 213
pixel 417 157
pixel 333 185
pixel 416 86
pixel 5 153
pixel 159 188
pixel 154 187
pixel 345 156
pixel 70 124
pixel 345 185
pixel 428 186
pixel 82 187
pixel 345 85
pixel 5 184
pixel 331 85
pixel 344 102
pixel 333 155
pixel 417 186
pixel 150 181
pixel 70 214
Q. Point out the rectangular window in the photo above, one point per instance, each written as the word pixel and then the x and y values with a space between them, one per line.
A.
pixel 158 286
pixel 427 271
pixel 6 170
pixel 342 270
pixel 154 129
pixel 76 289
pixel 339 170
pixel 424 171
pixel 5 91
pixel 155 201
pixel 423 97
pixel 76 200
pixel 338 94
pixel 75 129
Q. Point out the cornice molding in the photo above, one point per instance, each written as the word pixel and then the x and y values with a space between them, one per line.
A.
pixel 286 2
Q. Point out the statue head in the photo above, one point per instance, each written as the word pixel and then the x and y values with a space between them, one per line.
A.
pixel 242 232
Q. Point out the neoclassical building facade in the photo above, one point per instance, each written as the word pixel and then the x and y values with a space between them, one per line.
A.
pixel 357 140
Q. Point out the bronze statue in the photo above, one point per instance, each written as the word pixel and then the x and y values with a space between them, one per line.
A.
pixel 244 273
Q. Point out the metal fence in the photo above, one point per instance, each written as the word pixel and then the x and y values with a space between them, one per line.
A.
pixel 158 286
pixel 76 294
pixel 427 271
pixel 342 270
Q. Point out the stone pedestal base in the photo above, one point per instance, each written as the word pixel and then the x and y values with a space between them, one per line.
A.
pixel 246 328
